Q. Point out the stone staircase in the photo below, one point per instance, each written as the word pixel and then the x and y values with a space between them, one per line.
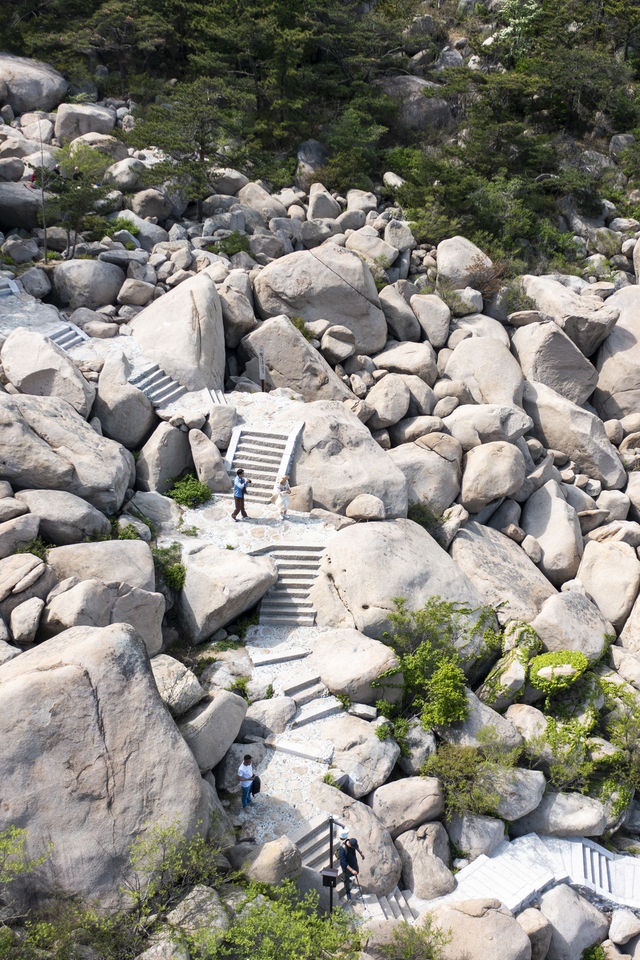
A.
pixel 67 336
pixel 313 844
pixel 287 603
pixel 157 385
pixel 261 456
pixel 518 872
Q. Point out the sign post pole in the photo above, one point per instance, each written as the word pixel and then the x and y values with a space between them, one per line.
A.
pixel 261 369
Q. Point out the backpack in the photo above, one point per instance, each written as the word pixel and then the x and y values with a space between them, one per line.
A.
pixel 255 786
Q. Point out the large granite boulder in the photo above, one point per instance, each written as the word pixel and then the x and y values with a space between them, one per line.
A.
pixel 431 467
pixel 44 443
pixel 459 260
pixel 86 283
pixel 555 525
pixel 547 355
pixel 183 333
pixel 365 567
pixel 125 413
pixel 405 804
pixel 110 561
pixel 329 282
pixel 339 458
pixel 500 572
pixel 480 930
pixel 491 471
pixel 359 757
pixel 564 815
pixel 570 621
pixel 618 360
pixel 415 111
pixel 75 119
pixel 30 85
pixel 64 518
pixel 490 372
pixel 83 800
pixel 583 316
pixel 610 573
pixel 36 365
pixel 562 425
pixel 220 585
pixel 291 362
pixel 576 923
pixel 211 726
pixel 348 662
pixel 19 206
pixel 425 861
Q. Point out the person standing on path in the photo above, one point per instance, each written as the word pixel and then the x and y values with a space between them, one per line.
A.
pixel 239 489
pixel 347 854
pixel 283 495
pixel 245 776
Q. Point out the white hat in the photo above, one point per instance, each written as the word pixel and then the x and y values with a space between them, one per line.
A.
pixel 344 834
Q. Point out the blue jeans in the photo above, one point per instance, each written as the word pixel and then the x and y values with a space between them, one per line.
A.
pixel 246 794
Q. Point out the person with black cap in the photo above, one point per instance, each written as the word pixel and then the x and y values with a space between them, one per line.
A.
pixel 347 854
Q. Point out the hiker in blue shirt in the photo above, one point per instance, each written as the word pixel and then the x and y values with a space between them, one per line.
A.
pixel 239 488
pixel 347 854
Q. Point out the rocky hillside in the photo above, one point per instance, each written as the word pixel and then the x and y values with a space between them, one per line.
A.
pixel 446 653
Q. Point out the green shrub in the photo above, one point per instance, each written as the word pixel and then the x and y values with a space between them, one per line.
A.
pixel 425 516
pixel 331 780
pixel 301 326
pixel 344 700
pixel 514 298
pixel 236 242
pixel 465 775
pixel 190 531
pixel 38 547
pixel 413 942
pixel 445 699
pixel 168 563
pixel 128 533
pixel 239 686
pixel 595 952
pixel 559 661
pixel 188 491
pixel 269 692
pixel 249 619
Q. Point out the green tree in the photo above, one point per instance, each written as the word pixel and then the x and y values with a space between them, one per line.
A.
pixel 78 189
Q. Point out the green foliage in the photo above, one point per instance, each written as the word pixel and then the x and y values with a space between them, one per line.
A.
pixel 249 619
pixel 190 531
pixel 465 775
pixel 301 326
pixel 15 862
pixel 236 242
pixel 38 547
pixel 168 564
pixel 623 730
pixel 95 226
pixel 571 766
pixel 239 686
pixel 514 298
pixel 422 514
pixel 128 533
pixel 269 692
pixel 77 189
pixel 445 699
pixel 285 926
pixel 383 732
pixel 595 952
pixel 330 780
pixel 188 491
pixel 413 942
pixel 567 667
pixel 344 700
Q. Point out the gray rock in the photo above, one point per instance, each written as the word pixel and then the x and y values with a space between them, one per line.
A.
pixel 500 572
pixel 64 517
pixel 491 471
pixel 562 425
pixel 148 233
pixel 617 361
pixel 481 930
pixel 45 444
pixel 389 399
pixel 19 207
pixel 86 283
pixel 419 744
pixel 35 365
pixel 480 717
pixel 23 576
pixel 291 361
pixel 405 804
pixel 88 679
pixel 576 923
pixel 547 355
pixel 624 926
pixel 330 282
pixel 415 111
pixel 425 856
pixel 555 525
pixel 431 467
pixel 359 756
pixel 338 457
pixel 610 573
pixel 570 621
pixel 472 425
pixel 29 84
pixel 583 316
pixel 413 359
pixel 366 507
pixel 538 929
pixel 199 912
pixel 399 315
pixel 211 727
pixel 474 835
pixel 126 414
pixel 490 372
pixel 266 718
pixel 183 332
pixel 24 620
pixel 220 585
pixel 236 299
pixel 520 791
pixel 459 261
pixel 75 119
pixel 564 815
pixel 124 174
pixel 165 455
pixel 36 282
pixel 434 317
pixel 111 561
pixel 208 462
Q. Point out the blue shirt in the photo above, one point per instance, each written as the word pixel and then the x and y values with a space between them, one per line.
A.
pixel 347 857
pixel 239 486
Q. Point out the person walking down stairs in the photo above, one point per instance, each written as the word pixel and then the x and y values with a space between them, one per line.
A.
pixel 239 489
pixel 348 856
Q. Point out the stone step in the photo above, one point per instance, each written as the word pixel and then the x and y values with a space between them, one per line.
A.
pixel 285 590
pixel 412 903
pixel 169 396
pixel 310 693
pixel 285 605
pixel 287 621
pixel 219 397
pixel 318 709
pixel 310 680
pixel 144 374
pixel 261 657
pixel 308 748
pixel 265 435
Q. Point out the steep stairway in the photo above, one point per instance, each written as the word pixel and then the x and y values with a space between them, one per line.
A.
pixel 67 336
pixel 263 457
pixel 157 385
pixel 518 872
pixel 287 603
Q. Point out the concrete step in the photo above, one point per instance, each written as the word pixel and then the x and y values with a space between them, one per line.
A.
pixel 68 336
pixel 306 747
pixel 261 657
pixel 219 397
pixel 316 710
pixel 294 620
pixel 301 683
pixel 310 693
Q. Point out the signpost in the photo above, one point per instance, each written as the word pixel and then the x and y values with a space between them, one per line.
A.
pixel 261 369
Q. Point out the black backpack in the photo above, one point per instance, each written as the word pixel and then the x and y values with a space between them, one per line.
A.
pixel 255 786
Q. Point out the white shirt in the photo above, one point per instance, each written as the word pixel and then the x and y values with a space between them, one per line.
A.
pixel 245 772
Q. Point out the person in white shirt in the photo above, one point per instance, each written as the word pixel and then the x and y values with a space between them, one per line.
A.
pixel 245 776
pixel 282 493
